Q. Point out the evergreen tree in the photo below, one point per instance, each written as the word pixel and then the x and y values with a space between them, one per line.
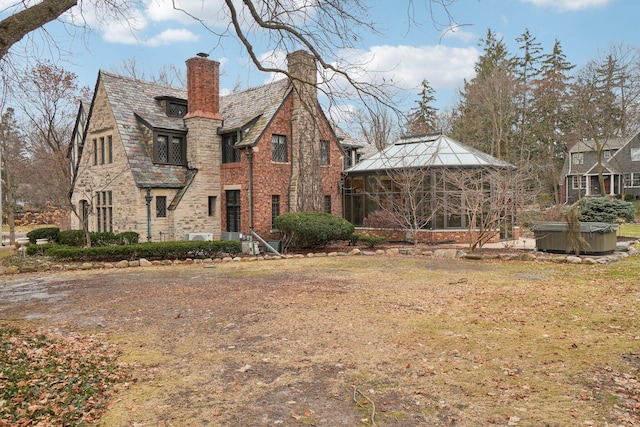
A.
pixel 486 114
pixel 423 118
pixel 550 123
pixel 526 69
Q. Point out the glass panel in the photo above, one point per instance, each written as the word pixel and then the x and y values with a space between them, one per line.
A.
pixel 275 209
pixel 176 150
pixel 162 154
pixel 161 206
pixel 357 184
pixel 229 152
pixel 233 210
pixel 279 148
pixel 324 152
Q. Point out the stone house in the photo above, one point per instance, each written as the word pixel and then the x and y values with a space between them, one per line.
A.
pixel 620 160
pixel 172 164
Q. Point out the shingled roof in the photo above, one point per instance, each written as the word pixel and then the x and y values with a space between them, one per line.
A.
pixel 131 100
pixel 134 105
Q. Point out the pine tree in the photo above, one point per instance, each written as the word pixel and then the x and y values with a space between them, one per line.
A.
pixel 486 114
pixel 550 123
pixel 423 118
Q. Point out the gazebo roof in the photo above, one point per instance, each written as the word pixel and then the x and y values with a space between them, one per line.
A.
pixel 427 151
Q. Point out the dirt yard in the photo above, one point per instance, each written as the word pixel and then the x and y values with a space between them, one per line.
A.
pixel 356 341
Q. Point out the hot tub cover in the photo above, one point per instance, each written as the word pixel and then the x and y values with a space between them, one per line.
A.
pixel 585 227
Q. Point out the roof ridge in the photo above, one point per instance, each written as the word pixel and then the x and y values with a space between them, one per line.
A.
pixel 135 80
pixel 262 86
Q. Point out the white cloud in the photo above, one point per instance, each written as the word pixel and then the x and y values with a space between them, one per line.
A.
pixel 170 36
pixel 457 32
pixel 211 12
pixel 123 31
pixel 444 67
pixel 569 5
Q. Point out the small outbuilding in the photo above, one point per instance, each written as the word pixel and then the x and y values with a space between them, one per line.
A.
pixel 431 188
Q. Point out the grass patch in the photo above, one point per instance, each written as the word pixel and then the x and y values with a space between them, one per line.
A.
pixel 629 230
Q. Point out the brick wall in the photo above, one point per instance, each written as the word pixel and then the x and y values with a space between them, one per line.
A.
pixel 274 178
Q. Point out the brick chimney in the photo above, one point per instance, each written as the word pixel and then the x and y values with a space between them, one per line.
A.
pixel 203 87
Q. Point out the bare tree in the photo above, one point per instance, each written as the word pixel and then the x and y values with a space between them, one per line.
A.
pixel 596 108
pixel 404 192
pixel 377 126
pixel 13 162
pixel 167 75
pixel 489 198
pixel 49 105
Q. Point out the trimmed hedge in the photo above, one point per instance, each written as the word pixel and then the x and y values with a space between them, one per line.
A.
pixel 312 229
pixel 49 233
pixel 151 251
pixel 76 238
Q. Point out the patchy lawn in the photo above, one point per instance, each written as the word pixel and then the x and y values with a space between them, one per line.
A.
pixel 347 341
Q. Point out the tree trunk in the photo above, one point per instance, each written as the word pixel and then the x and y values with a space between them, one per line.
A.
pixel 15 27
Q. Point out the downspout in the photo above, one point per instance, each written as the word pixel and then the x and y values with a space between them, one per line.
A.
pixel 148 199
pixel 249 153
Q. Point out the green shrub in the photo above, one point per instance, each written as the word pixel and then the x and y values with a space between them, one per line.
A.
pixel 76 238
pixel 603 209
pixel 312 229
pixel 128 238
pixel 33 250
pixel 71 238
pixel 49 233
pixel 105 238
pixel 370 241
pixel 159 250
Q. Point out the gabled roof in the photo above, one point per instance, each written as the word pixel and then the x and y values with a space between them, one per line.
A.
pixel 427 151
pixel 609 144
pixel 257 105
pixel 129 98
pixel 135 104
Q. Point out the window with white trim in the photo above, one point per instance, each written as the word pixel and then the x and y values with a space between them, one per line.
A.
pixel 577 158
pixel 579 182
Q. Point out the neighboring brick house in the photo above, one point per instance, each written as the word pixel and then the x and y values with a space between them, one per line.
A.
pixel 620 169
pixel 171 164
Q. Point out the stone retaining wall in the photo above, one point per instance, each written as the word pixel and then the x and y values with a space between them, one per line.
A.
pixel 450 253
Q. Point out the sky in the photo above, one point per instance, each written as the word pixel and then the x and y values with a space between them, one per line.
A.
pixel 404 51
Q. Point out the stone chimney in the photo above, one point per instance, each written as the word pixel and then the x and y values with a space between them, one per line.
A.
pixel 203 87
pixel 305 188
pixel 302 65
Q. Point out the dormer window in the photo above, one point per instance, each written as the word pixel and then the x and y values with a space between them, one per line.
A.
pixel 174 107
pixel 169 148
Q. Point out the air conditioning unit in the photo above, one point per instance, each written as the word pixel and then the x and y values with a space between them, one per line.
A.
pixel 199 236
